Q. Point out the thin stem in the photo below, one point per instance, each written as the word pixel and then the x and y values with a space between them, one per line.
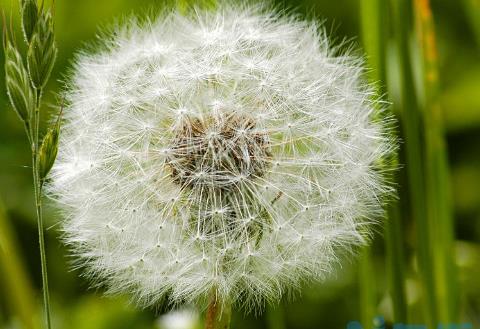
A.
pixel 36 119
pixel 218 315
pixel 34 138
pixel 41 240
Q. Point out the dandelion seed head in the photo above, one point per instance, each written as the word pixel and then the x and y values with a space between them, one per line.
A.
pixel 232 150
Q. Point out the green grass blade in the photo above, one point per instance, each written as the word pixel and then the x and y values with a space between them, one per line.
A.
pixel 413 141
pixel 374 33
pixel 374 14
pixel 439 209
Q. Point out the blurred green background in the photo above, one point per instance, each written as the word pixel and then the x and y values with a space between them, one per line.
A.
pixel 330 305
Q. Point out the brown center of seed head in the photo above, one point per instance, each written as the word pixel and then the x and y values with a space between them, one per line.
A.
pixel 218 151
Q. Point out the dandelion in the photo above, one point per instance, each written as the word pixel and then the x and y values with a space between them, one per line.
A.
pixel 226 156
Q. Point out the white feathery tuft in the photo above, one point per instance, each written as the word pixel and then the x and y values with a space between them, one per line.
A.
pixel 231 150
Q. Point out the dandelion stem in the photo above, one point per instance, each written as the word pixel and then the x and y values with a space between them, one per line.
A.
pixel 367 287
pixel 218 315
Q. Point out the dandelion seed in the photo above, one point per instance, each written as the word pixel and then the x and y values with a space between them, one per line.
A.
pixel 238 153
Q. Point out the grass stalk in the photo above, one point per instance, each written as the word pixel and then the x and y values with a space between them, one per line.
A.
pixel 374 36
pixel 439 209
pixel 414 150
pixel 16 281
pixel 37 184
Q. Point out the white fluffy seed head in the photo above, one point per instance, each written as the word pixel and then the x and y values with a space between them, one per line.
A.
pixel 231 151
